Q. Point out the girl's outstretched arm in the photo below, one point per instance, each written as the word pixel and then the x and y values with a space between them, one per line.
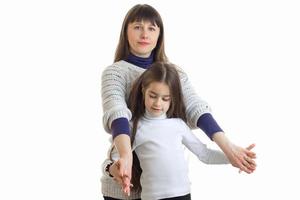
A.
pixel 195 108
pixel 206 155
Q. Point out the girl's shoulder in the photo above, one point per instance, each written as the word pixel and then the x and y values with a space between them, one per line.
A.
pixel 178 121
pixel 177 124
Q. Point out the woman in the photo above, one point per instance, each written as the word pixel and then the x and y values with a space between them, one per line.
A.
pixel 141 43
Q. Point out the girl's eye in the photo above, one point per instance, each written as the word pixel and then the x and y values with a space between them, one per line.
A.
pixel 166 99
pixel 137 27
pixel 152 97
pixel 152 29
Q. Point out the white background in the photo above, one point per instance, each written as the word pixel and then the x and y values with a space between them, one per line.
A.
pixel 241 56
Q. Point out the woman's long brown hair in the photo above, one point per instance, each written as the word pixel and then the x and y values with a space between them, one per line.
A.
pixel 138 13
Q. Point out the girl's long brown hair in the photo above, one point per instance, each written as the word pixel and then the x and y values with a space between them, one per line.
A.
pixel 138 13
pixel 158 72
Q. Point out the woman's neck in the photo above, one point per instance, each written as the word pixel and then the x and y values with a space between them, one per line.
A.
pixel 139 61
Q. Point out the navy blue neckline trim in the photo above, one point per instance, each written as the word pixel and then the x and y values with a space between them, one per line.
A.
pixel 139 61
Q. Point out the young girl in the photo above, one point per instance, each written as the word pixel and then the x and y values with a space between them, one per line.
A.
pixel 142 43
pixel 159 130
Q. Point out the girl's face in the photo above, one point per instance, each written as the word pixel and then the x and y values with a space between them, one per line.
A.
pixel 142 38
pixel 157 98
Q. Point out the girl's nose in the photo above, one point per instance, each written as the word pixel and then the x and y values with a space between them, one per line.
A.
pixel 157 102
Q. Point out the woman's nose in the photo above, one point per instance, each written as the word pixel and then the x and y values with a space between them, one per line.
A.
pixel 144 34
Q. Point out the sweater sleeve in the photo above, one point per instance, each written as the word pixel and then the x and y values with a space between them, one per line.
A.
pixel 208 125
pixel 113 91
pixel 195 106
pixel 204 154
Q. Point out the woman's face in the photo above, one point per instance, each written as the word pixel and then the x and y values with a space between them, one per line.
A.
pixel 157 98
pixel 142 38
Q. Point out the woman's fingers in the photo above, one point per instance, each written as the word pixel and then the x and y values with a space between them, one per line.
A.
pixel 250 153
pixel 247 161
pixel 251 146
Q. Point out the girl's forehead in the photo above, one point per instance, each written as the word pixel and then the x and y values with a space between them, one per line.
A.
pixel 157 86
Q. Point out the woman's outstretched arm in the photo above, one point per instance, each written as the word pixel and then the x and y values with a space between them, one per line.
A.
pixel 242 158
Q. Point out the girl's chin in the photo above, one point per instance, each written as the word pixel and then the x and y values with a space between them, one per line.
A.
pixel 156 113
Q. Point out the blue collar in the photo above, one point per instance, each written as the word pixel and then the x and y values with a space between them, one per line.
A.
pixel 140 62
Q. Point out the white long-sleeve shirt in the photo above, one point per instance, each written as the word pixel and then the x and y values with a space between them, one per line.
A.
pixel 159 145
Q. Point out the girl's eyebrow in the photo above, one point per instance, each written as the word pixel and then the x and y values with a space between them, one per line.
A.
pixel 158 94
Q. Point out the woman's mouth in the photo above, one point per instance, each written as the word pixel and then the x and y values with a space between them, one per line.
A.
pixel 143 43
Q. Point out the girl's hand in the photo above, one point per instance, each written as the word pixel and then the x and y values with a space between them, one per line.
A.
pixel 121 172
pixel 114 170
pixel 124 164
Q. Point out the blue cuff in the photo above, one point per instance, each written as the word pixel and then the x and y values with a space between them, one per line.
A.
pixel 120 126
pixel 208 125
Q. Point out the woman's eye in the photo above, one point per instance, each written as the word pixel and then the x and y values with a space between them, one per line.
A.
pixel 137 27
pixel 152 29
pixel 166 99
pixel 152 97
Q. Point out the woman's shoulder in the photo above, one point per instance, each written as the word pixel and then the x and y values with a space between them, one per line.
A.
pixel 117 69
pixel 121 66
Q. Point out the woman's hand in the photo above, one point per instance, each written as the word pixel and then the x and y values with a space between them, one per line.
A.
pixel 251 155
pixel 242 158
